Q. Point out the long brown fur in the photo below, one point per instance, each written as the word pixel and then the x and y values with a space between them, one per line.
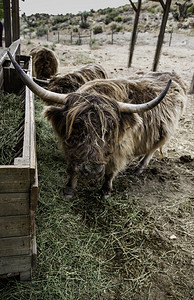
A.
pixel 92 129
pixel 44 62
pixel 71 82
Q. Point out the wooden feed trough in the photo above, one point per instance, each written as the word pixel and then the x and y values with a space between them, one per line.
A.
pixel 19 185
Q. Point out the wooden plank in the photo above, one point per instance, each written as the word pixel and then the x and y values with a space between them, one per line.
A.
pixel 14 179
pixel 11 173
pixel 34 193
pixel 15 246
pixel 15 264
pixel 12 83
pixel 33 162
pixel 12 204
pixel 22 187
pixel 15 20
pixel 34 254
pixel 27 132
pixel 12 226
pixel 29 145
pixel 1 77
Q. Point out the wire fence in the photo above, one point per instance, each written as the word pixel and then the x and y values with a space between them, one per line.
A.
pixel 72 38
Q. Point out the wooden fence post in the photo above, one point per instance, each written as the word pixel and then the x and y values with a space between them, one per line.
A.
pixel 161 34
pixel 133 38
pixel 7 22
pixel 79 39
pixel 112 37
pixel 171 32
pixel 191 89
pixel 15 20
pixel 71 38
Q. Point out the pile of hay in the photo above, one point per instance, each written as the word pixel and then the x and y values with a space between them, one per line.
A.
pixel 12 116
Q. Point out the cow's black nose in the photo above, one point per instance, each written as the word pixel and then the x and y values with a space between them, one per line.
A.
pixel 92 170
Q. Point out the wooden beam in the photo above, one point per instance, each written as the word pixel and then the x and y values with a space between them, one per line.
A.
pixel 15 20
pixel 134 35
pixel 162 3
pixel 7 22
pixel 133 5
pixel 161 35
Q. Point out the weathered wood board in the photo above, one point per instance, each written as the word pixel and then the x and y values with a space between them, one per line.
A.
pixel 19 186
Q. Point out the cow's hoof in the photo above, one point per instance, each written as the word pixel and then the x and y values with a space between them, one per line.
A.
pixel 105 194
pixel 68 193
pixel 138 170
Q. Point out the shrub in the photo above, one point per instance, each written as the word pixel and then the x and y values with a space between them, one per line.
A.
pixel 113 26
pixel 97 29
pixel 191 9
pixel 41 31
pixel 84 25
pixel 127 20
pixel 55 28
pixel 119 28
pixel 31 29
pixel 92 43
pixel 110 17
pixel 59 19
pixel 152 10
pixel 118 19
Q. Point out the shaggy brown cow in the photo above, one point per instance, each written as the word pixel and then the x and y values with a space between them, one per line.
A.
pixel 44 62
pixel 71 82
pixel 109 121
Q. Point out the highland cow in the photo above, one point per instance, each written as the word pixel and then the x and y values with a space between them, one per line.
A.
pixel 107 122
pixel 44 63
pixel 72 81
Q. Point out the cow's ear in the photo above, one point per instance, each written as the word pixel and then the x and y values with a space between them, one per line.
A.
pixel 52 112
pixel 56 116
pixel 130 120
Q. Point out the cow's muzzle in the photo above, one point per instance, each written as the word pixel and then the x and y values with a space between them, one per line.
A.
pixel 92 170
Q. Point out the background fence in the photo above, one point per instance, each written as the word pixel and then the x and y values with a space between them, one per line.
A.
pixel 73 38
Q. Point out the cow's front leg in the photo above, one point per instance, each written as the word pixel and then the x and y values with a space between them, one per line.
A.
pixel 143 163
pixel 69 190
pixel 107 186
pixel 146 159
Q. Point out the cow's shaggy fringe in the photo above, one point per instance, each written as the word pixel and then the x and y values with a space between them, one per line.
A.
pixel 96 117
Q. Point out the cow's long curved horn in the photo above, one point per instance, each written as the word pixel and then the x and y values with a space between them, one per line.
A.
pixel 45 95
pixel 41 81
pixel 140 108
